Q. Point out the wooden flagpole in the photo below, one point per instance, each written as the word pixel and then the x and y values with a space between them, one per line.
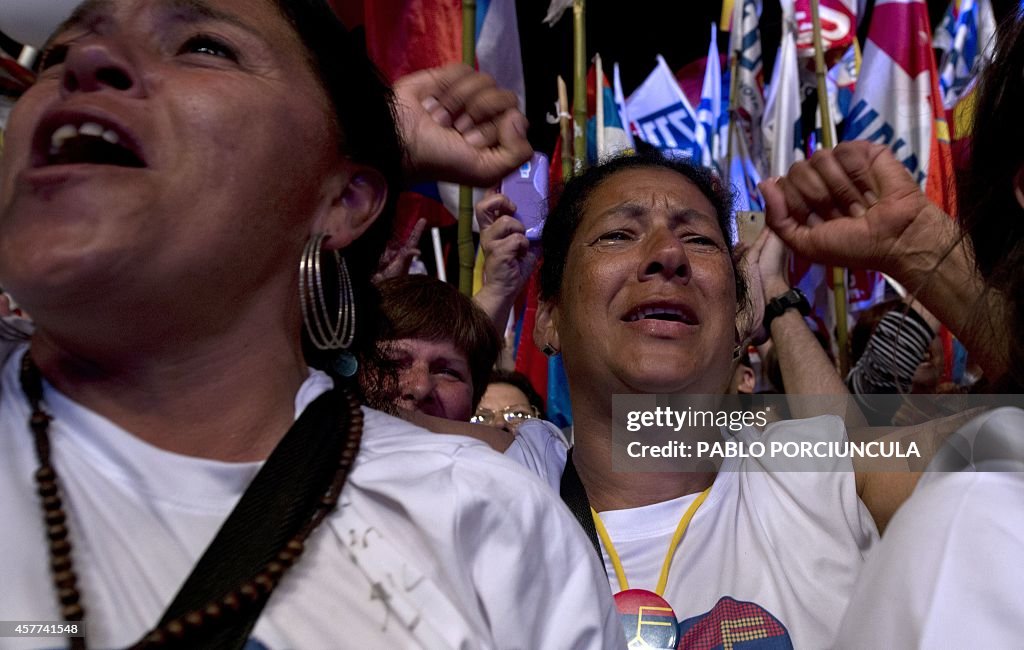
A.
pixel 838 273
pixel 599 143
pixel 466 192
pixel 579 15
pixel 565 129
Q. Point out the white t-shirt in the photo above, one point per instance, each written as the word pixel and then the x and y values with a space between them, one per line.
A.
pixel 949 570
pixel 437 541
pixel 770 556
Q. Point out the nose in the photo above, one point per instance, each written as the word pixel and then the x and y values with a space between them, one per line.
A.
pixel 97 65
pixel 416 384
pixel 665 257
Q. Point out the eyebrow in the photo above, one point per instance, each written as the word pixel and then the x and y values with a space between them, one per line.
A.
pixel 189 11
pixel 635 209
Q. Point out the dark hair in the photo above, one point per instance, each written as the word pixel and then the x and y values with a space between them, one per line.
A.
pixel 425 308
pixel 990 214
pixel 567 214
pixel 362 106
pixel 867 321
pixel 522 382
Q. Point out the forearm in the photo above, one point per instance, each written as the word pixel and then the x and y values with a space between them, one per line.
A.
pixel 808 371
pixel 496 304
pixel 497 439
pixel 947 284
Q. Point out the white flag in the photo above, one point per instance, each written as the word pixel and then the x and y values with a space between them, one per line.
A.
pixel 661 115
pixel 783 135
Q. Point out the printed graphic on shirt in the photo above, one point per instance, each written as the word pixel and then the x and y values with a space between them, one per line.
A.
pixel 647 618
pixel 734 624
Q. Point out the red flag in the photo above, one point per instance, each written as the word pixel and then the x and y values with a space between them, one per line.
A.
pixel 529 360
pixel 404 36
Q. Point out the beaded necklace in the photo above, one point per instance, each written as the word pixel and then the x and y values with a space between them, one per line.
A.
pixel 188 626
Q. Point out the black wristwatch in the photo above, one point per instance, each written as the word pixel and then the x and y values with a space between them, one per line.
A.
pixel 792 299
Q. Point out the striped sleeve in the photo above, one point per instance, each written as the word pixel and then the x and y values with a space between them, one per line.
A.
pixel 897 346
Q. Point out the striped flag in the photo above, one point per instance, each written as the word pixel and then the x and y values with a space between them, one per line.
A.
pixel 620 105
pixel 745 46
pixel 713 122
pixel 606 133
pixel 747 164
pixel 970 46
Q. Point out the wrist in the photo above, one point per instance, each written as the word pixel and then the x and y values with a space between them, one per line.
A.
pixel 937 243
pixel 791 300
pixel 773 288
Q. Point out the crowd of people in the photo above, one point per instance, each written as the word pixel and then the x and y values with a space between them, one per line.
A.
pixel 197 455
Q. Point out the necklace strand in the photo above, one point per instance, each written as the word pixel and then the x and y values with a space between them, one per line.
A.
pixel 677 537
pixel 189 625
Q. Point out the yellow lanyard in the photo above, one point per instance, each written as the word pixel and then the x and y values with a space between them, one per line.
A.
pixel 613 555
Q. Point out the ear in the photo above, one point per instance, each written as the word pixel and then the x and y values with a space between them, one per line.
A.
pixel 354 199
pixel 746 383
pixel 545 326
pixel 1018 186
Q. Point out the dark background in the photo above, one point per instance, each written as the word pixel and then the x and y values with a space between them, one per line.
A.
pixel 633 33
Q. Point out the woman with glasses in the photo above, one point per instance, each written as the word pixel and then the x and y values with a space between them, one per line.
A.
pixel 510 399
pixel 434 371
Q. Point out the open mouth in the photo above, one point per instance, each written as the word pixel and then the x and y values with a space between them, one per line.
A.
pixel 87 143
pixel 674 314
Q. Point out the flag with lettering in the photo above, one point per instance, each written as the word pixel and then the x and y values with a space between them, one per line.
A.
pixel 897 101
pixel 838 25
pixel 661 116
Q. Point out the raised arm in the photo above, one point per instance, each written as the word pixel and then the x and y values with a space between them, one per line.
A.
pixel 459 126
pixel 806 369
pixel 857 206
pixel 508 260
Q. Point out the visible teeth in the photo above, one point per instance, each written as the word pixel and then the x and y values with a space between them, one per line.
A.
pixel 91 128
pixel 62 135
pixel 650 311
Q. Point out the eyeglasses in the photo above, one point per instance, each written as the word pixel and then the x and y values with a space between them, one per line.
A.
pixel 512 415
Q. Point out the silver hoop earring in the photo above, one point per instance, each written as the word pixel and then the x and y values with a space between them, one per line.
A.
pixel 324 334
